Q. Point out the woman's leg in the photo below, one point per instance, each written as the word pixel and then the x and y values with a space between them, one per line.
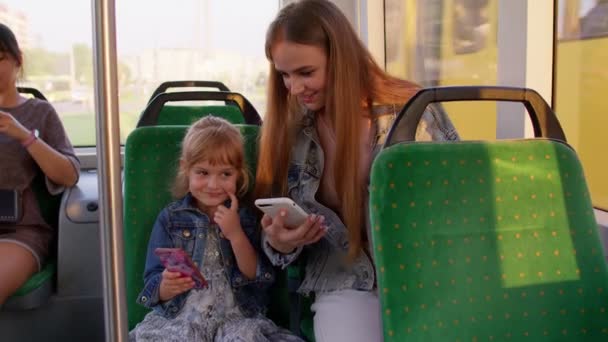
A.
pixel 347 315
pixel 17 264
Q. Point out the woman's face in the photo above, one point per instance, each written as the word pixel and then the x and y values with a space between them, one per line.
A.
pixel 9 69
pixel 304 71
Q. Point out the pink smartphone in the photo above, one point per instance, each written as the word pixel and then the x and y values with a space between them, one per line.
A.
pixel 177 260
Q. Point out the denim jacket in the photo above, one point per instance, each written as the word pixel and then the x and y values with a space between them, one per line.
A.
pixel 326 265
pixel 182 225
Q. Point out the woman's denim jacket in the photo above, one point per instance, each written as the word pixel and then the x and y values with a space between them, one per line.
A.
pixel 326 265
pixel 182 225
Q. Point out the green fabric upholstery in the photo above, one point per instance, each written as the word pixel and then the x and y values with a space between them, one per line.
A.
pixel 49 204
pixel 489 241
pixel 151 155
pixel 186 115
pixel 38 279
pixel 151 160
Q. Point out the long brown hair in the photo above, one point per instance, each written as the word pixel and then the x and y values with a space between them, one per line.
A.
pixel 215 140
pixel 351 74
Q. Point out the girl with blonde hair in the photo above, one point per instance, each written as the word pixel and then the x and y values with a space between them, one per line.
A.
pixel 221 236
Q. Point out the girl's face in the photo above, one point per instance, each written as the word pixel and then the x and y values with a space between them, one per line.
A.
pixel 9 69
pixel 210 184
pixel 304 71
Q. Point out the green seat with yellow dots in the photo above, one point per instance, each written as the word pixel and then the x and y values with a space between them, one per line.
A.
pixel 486 241
pixel 151 160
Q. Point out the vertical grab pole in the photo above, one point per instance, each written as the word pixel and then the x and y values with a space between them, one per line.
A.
pixel 108 162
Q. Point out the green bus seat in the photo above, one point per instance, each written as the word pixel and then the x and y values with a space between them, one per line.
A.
pixel 35 292
pixel 151 160
pixel 186 115
pixel 237 109
pixel 165 86
pixel 153 152
pixel 31 92
pixel 487 241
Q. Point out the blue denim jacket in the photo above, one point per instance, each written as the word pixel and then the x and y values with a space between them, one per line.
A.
pixel 326 265
pixel 182 225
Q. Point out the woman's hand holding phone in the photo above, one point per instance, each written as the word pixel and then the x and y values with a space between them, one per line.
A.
pixel 284 239
pixel 173 284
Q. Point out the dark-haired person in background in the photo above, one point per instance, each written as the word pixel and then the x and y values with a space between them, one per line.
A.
pixel 32 138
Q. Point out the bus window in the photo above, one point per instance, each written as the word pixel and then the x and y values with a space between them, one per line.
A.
pixel 580 84
pixel 214 40
pixel 594 23
pixel 470 25
pixel 447 42
pixel 54 61
pixel 582 19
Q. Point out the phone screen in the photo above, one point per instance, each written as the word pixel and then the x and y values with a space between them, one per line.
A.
pixel 8 206
pixel 177 260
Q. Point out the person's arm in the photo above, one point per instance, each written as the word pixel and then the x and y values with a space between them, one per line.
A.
pixel 283 245
pixel 239 227
pixel 56 166
pixel 245 255
pixel 163 291
pixel 276 257
pixel 435 125
pixel 264 272
pixel 229 222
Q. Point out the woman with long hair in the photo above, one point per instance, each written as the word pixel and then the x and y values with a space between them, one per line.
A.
pixel 329 109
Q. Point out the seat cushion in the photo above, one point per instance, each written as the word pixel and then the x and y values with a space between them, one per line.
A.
pixel 486 241
pixel 38 279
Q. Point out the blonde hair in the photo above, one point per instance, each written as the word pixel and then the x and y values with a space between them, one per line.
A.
pixel 352 73
pixel 216 141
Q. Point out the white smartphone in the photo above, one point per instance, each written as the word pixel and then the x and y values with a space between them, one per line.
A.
pixel 271 206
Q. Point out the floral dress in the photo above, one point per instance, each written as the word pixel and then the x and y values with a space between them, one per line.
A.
pixel 210 314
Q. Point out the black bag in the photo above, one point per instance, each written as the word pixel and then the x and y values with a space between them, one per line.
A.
pixel 10 204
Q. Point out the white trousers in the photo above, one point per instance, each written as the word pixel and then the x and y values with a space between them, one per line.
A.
pixel 347 315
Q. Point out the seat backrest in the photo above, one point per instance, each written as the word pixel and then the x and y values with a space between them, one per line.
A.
pixel 49 204
pixel 151 160
pixel 165 86
pixel 186 115
pixel 235 103
pixel 486 241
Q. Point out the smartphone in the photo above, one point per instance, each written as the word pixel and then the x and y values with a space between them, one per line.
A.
pixel 177 260
pixel 271 206
pixel 9 206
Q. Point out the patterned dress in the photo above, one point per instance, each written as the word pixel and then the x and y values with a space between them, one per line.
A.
pixel 210 314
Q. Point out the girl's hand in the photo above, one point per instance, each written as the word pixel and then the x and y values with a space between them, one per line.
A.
pixel 286 240
pixel 11 127
pixel 173 284
pixel 228 219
